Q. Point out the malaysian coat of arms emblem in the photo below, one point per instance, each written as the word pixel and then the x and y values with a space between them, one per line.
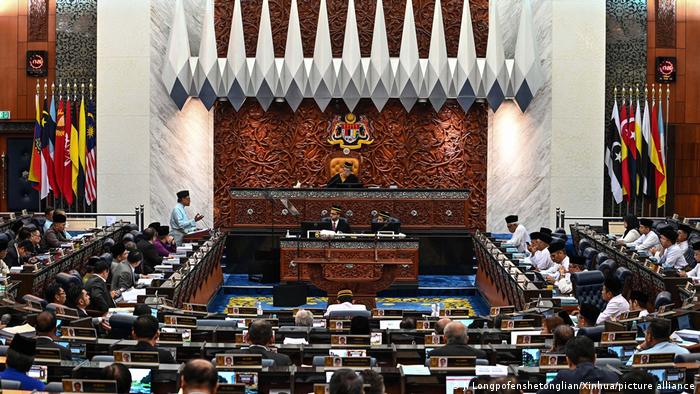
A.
pixel 350 133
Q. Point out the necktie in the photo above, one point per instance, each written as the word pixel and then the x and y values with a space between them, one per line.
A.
pixel 334 224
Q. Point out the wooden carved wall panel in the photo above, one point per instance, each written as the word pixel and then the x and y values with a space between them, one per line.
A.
pixel 449 212
pixel 665 25
pixel 38 20
pixel 420 149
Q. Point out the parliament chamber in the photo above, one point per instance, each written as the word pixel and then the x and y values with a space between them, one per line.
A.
pixel 350 196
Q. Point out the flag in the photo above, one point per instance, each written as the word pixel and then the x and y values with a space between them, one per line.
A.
pixel 624 151
pixel 91 156
pixel 638 144
pixel 661 184
pixel 48 134
pixel 613 154
pixel 644 158
pixel 82 129
pixel 67 183
pixel 75 149
pixel 35 164
pixel 59 148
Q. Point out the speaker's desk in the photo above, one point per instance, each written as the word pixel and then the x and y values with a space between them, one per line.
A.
pixel 363 265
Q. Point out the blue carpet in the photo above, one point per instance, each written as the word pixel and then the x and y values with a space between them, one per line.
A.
pixel 424 281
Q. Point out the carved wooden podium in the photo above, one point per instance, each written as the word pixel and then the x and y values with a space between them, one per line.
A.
pixel 363 266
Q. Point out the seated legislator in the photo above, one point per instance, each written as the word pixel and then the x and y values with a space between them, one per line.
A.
pixel 456 337
pixel 648 239
pixel 4 269
pixel 345 303
pixel 557 252
pixel 198 376
pixel 580 354
pixel 617 304
pixel 345 177
pixel 694 274
pixel 54 236
pixel 124 275
pixel 384 219
pixel 541 259
pixel 260 336
pixel 520 237
pixel 335 222
pixel 657 340
pixel 146 332
pixel 672 256
pixel 20 358
pixel 46 334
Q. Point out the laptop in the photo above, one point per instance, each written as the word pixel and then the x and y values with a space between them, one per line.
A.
pixel 140 380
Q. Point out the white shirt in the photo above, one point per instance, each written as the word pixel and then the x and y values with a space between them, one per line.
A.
pixel 673 258
pixel 345 306
pixel 695 272
pixel 553 271
pixel 616 306
pixel 542 259
pixel 564 284
pixel 646 242
pixel 631 236
pixel 684 246
pixel 520 238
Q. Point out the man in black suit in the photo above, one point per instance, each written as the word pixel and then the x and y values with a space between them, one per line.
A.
pixel 580 354
pixel 151 258
pixel 46 334
pixel 19 253
pixel 260 336
pixel 96 286
pixel 145 331
pixel 78 298
pixel 457 337
pixel 335 222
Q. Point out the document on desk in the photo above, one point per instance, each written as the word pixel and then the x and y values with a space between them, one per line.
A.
pixel 415 370
pixel 131 294
pixel 491 370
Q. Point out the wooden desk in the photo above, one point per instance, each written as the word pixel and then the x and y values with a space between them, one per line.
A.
pixel 34 282
pixel 643 278
pixel 364 277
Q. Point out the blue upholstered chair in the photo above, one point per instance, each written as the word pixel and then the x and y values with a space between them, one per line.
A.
pixel 663 298
pixel 587 287
pixel 594 333
pixel 590 254
pixel 607 267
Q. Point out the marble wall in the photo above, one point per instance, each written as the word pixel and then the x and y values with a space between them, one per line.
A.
pixel 519 144
pixel 181 142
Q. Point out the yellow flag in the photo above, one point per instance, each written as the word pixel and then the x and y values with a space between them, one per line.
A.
pixel 83 135
pixel 74 154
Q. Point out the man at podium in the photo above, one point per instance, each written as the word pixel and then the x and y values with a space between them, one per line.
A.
pixel 180 223
pixel 345 178
pixel 335 222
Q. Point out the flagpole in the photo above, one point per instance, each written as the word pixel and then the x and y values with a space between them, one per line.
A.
pixel 624 103
pixel 653 103
pixel 612 200
pixel 93 208
pixel 666 132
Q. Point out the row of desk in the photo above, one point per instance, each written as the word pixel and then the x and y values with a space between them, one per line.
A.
pixel 35 281
pixel 500 280
pixel 645 277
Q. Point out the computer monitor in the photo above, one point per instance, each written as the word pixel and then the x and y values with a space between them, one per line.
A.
pixel 683 321
pixel 376 227
pixel 227 377
pixel 39 372
pixel 621 352
pixel 140 380
pixel 313 226
pixel 531 357
pixel 457 384
pixel 389 324
pixel 550 377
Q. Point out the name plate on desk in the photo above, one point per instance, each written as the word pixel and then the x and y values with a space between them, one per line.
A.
pixel 34 306
pixel 351 362
pixel 241 311
pixel 531 340
pixel 339 325
pixel 425 325
pixel 653 359
pixel 387 313
pixel 239 360
pixel 66 313
pixel 523 324
pixel 461 362
pixel 180 321
pixel 457 312
pixel 134 357
pixel 195 308
pixel 79 333
pixel 619 337
pixel 237 388
pixel 631 315
pixel 47 355
pixel 321 389
pixel 89 386
pixel 434 340
pixel 497 310
pixel 350 340
pixel 170 337
pixel 553 361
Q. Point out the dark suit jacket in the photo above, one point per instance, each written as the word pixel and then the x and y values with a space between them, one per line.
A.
pixel 458 350
pixel 12 259
pixel 584 372
pixel 53 238
pixel 49 343
pixel 343 225
pixel 100 298
pixel 336 181
pixel 281 360
pixel 151 258
pixel 122 276
pixel 164 356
